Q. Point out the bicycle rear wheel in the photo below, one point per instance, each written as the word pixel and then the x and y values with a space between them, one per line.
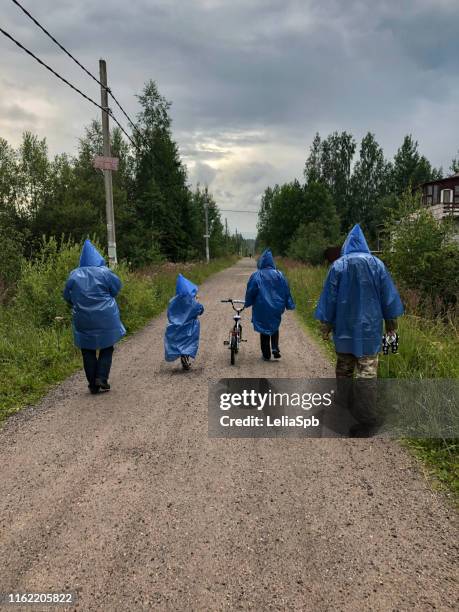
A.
pixel 233 349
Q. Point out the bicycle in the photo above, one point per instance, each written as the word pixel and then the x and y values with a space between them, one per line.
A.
pixel 235 334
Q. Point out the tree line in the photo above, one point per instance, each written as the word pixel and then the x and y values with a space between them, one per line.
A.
pixel 158 215
pixel 302 218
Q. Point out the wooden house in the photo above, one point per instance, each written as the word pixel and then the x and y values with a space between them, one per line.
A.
pixel 442 196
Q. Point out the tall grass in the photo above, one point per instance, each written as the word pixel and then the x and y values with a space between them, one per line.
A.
pixel 36 341
pixel 429 348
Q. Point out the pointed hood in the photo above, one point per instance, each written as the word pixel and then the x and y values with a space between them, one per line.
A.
pixel 90 256
pixel 355 242
pixel 185 286
pixel 266 260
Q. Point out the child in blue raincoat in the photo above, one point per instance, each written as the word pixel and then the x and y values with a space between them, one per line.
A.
pixel 91 290
pixel 269 295
pixel 182 332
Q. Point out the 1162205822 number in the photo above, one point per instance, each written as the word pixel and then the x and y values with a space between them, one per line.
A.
pixel 32 598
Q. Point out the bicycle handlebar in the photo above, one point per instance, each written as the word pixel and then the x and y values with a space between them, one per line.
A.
pixel 231 301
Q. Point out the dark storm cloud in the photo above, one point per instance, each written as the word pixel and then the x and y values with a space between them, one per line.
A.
pixel 428 37
pixel 251 81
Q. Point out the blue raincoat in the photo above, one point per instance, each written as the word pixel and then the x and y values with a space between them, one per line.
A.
pixel 91 290
pixel 182 332
pixel 358 294
pixel 269 295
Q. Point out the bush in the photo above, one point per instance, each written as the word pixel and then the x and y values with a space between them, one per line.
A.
pixel 39 292
pixel 308 244
pixel 10 261
pixel 422 255
pixel 142 297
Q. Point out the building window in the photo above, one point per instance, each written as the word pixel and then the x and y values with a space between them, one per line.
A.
pixel 435 194
pixel 446 196
pixel 429 190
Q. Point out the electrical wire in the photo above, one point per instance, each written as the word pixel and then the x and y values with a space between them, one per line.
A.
pixel 255 212
pixel 37 23
pixel 56 74
pixel 72 57
pixel 64 80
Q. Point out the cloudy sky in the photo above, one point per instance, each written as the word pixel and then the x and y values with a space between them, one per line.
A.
pixel 251 81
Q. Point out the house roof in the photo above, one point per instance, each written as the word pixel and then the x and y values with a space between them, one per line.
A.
pixel 442 180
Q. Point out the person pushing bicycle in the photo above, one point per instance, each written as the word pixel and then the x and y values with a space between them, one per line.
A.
pixel 269 295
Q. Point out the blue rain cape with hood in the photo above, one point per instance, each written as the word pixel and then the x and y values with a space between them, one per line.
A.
pixel 182 332
pixel 269 295
pixel 358 294
pixel 91 290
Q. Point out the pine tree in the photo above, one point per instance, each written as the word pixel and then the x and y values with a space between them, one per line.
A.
pixel 370 183
pixel 161 176
pixel 409 167
pixel 313 169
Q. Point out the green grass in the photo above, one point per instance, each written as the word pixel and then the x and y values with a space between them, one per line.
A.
pixel 428 349
pixel 37 350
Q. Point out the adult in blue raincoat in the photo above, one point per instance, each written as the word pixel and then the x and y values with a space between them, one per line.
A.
pixel 182 332
pixel 269 295
pixel 91 290
pixel 358 295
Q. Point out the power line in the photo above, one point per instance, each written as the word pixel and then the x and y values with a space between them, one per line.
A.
pixel 64 80
pixel 108 111
pixel 72 57
pixel 16 42
pixel 255 212
pixel 37 23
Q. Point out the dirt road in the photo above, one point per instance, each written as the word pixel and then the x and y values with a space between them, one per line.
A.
pixel 123 497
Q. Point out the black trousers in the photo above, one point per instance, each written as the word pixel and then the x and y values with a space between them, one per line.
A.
pixel 97 366
pixel 268 342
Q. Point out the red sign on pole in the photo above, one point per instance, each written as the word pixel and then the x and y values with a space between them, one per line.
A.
pixel 106 163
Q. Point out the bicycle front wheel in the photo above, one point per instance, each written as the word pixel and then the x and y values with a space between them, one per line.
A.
pixel 233 349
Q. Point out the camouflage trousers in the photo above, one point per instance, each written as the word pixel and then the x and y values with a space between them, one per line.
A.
pixel 364 367
pixel 359 397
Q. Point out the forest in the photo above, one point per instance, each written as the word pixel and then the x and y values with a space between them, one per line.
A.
pixel 158 216
pixel 339 189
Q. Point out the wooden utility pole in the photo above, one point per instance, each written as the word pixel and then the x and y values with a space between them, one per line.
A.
pixel 107 173
pixel 206 235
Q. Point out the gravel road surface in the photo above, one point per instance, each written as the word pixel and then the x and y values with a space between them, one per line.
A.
pixel 123 498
